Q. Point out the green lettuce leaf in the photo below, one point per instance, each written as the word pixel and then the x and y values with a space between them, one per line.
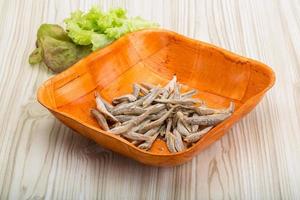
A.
pixel 100 28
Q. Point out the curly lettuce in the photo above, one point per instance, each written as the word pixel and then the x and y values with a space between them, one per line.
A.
pixel 100 28
pixel 85 32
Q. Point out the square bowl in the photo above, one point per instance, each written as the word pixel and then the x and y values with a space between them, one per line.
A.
pixel 154 55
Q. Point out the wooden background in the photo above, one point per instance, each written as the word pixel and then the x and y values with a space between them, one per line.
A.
pixel 259 158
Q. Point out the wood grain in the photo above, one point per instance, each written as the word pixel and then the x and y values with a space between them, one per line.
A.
pixel 259 159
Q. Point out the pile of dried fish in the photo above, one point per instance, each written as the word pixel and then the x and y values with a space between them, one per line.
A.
pixel 152 112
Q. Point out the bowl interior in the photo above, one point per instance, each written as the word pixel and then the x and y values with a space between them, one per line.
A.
pixel 154 56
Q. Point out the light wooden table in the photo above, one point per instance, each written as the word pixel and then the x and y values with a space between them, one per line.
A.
pixel 258 159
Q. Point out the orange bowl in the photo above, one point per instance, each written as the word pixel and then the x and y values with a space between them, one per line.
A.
pixel 154 55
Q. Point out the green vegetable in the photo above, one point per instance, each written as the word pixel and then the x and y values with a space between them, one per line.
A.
pixel 56 49
pixel 100 29
pixel 85 32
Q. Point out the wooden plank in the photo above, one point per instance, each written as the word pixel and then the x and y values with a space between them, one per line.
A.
pixel 258 159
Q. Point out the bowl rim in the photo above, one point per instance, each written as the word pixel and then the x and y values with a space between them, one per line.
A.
pixel 263 67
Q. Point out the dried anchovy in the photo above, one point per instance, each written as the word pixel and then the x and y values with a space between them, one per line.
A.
pixel 171 95
pixel 157 122
pixel 100 119
pixel 122 129
pixel 149 133
pixel 115 125
pixel 182 129
pixel 153 94
pixel 143 124
pixel 102 109
pixel 169 124
pixel 162 130
pixel 124 118
pixel 189 94
pixel 178 141
pixel 179 101
pixel 150 111
pixel 120 105
pixel 171 142
pixel 152 132
pixel 129 111
pixel 203 110
pixel 143 90
pixel 129 105
pixel 195 127
pixel 126 98
pixel 147 145
pixel 207 120
pixel 196 136
pixel 177 91
pixel 158 115
pixel 175 120
pixel 181 117
pixel 169 88
pixel 107 105
pixel 135 90
pixel 136 136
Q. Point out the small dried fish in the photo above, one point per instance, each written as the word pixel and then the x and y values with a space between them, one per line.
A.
pixel 196 136
pixel 181 117
pixel 169 124
pixel 126 98
pixel 178 141
pixel 152 132
pixel 181 129
pixel 142 124
pixel 189 94
pixel 187 112
pixel 177 91
pixel 180 101
pixel 123 128
pixel 120 105
pixel 107 105
pixel 147 145
pixel 136 136
pixel 171 95
pixel 100 119
pixel 135 90
pixel 203 110
pixel 158 115
pixel 149 133
pixel 162 130
pixel 124 118
pixel 171 142
pixel 168 88
pixel 129 111
pixel 153 94
pixel 102 109
pixel 115 125
pixel 174 120
pixel 207 120
pixel 157 122
pixel 195 127
pixel 143 90
pixel 150 110
pixel 129 105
